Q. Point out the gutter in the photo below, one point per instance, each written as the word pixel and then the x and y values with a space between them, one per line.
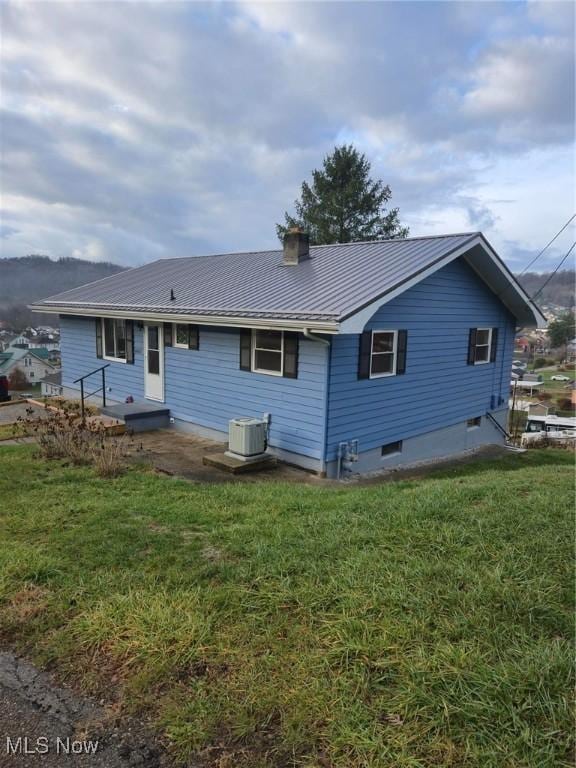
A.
pixel 304 326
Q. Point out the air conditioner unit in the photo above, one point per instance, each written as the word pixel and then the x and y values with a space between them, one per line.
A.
pixel 247 437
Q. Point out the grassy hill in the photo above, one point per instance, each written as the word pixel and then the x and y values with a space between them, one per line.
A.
pixel 424 622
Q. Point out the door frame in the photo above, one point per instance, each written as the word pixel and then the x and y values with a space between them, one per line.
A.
pixel 161 365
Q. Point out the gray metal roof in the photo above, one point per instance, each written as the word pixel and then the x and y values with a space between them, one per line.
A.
pixel 331 284
pixel 334 283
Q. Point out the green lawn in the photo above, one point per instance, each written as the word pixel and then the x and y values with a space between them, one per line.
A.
pixel 407 624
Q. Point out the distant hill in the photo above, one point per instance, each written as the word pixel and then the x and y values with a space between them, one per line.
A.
pixel 560 290
pixel 29 278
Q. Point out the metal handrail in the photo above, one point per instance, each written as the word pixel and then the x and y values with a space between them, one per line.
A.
pixel 103 387
pixel 497 424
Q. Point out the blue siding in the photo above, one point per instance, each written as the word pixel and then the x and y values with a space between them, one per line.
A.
pixel 78 345
pixel 438 388
pixel 206 386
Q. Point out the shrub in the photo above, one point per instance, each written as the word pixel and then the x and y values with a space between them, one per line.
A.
pixel 108 455
pixel 565 404
pixel 64 434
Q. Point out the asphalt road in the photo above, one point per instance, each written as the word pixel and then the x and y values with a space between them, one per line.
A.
pixel 44 725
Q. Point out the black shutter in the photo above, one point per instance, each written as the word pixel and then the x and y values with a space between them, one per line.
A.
pixel 167 334
pixel 472 346
pixel 401 352
pixel 130 341
pixel 99 337
pixel 364 355
pixel 494 346
pixel 193 337
pixel 290 355
pixel 245 349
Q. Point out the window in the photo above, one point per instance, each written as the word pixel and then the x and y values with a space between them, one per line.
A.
pixel 475 422
pixel 31 374
pixel 27 362
pixel 268 352
pixel 181 335
pixel 383 353
pixel 114 339
pixel 482 345
pixel 390 449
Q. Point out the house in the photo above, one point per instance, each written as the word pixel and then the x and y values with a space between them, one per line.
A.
pixel 378 353
pixel 543 408
pixel 33 363
pixel 52 385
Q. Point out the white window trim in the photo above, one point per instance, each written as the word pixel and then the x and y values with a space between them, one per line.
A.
pixel 104 355
pixel 281 351
pixel 175 336
pixel 483 362
pixel 394 353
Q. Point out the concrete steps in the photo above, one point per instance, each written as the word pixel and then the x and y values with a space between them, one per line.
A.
pixel 138 417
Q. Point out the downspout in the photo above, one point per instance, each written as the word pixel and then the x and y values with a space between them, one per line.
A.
pixel 309 335
pixel 326 342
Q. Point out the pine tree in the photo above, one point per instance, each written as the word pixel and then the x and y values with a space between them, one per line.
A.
pixel 343 204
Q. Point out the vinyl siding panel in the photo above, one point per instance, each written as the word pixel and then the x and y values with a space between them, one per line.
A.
pixel 439 388
pixel 78 349
pixel 207 387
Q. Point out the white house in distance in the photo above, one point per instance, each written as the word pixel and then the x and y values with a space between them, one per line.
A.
pixel 33 363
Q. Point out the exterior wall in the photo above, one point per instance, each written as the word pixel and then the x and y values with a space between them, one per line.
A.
pixel 439 388
pixel 438 444
pixel 205 388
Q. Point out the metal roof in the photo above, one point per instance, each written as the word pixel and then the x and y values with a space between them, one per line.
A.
pixel 334 283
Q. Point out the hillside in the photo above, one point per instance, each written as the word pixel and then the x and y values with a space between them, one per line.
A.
pixel 29 278
pixel 560 290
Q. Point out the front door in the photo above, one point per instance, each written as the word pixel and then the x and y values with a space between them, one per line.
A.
pixel 153 362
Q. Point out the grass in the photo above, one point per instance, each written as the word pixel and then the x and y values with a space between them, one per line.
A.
pixel 10 431
pixel 411 624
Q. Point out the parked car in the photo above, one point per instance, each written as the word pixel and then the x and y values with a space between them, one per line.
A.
pixel 519 364
pixel 559 377
pixel 4 396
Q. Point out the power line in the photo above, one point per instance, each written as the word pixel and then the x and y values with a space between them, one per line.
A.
pixel 535 259
pixel 532 298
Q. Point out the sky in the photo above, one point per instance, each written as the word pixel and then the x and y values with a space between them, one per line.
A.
pixel 132 131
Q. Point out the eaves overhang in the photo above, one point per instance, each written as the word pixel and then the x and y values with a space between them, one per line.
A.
pixel 271 322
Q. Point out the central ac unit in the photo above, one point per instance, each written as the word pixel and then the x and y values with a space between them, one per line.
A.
pixel 247 437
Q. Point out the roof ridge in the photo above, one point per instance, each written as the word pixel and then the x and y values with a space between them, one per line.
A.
pixel 325 245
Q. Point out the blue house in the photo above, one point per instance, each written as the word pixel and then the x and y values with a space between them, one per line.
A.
pixel 384 353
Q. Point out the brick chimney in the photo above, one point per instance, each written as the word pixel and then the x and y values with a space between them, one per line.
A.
pixel 296 246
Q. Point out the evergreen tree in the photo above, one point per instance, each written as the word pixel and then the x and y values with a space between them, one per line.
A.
pixel 343 204
pixel 562 330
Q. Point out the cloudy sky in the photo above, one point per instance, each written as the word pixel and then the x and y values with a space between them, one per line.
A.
pixel 136 130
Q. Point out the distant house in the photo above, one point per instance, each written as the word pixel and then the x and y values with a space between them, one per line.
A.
pixel 384 352
pixel 33 363
pixel 52 385
pixel 540 409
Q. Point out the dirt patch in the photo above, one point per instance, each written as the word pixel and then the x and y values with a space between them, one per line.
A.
pixel 180 454
pixel 26 604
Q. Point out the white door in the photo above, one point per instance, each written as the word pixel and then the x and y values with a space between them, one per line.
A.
pixel 154 362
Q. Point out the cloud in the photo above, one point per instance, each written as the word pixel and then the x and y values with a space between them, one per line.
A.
pixel 134 131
